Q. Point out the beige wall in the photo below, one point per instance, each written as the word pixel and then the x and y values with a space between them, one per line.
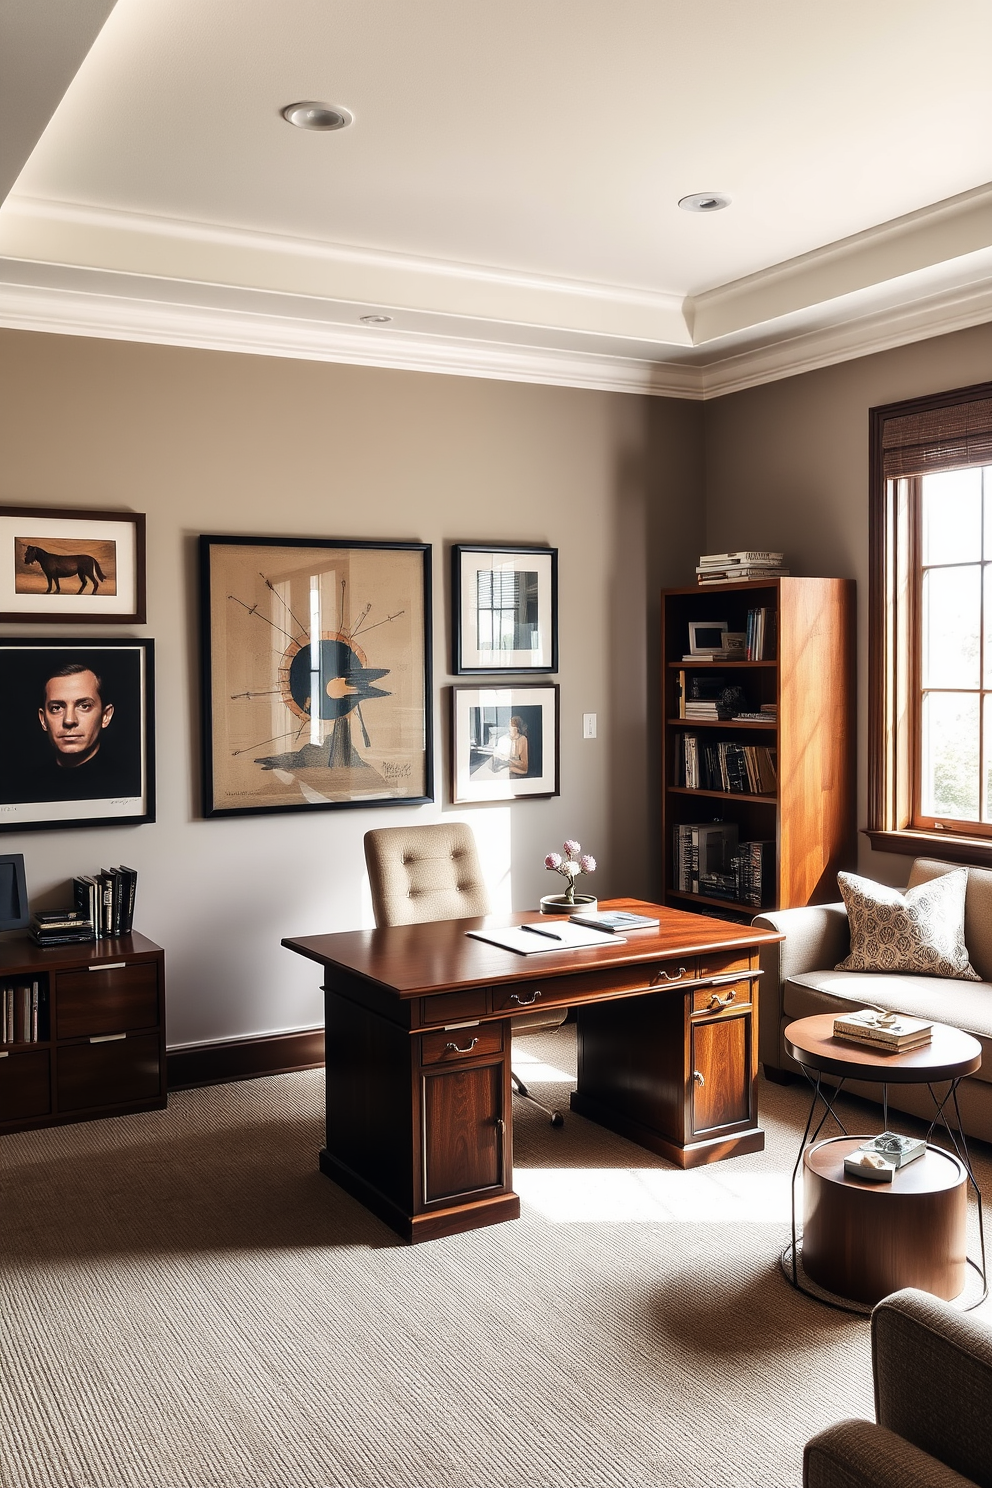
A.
pixel 787 468
pixel 209 442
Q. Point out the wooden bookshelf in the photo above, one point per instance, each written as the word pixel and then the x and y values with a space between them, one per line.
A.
pixel 100 1049
pixel 810 679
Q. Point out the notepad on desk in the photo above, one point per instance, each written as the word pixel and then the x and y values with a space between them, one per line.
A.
pixel 560 935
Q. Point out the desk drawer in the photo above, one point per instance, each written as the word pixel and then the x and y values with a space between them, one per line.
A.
pixel 724 995
pixel 453 1007
pixel 455 1044
pixel 721 963
pixel 558 991
pixel 106 999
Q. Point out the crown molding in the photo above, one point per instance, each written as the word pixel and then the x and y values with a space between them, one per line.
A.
pixel 129 308
pixel 75 312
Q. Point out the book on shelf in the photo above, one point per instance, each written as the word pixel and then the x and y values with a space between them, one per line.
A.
pixel 19 1008
pixel 740 576
pixel 702 848
pixel 759 631
pixel 107 900
pixel 745 555
pixel 615 921
pixel 748 769
pixel 886 1033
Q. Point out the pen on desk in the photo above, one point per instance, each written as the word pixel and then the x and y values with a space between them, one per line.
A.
pixel 548 934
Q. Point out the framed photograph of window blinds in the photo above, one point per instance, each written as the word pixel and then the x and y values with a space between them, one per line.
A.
pixel 505 609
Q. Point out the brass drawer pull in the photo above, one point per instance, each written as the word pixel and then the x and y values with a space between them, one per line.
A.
pixel 108 966
pixel 716 1001
pixel 108 1038
pixel 454 1048
pixel 663 976
pixel 698 1079
pixel 524 1001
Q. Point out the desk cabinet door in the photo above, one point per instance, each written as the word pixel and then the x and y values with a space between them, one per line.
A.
pixel 463 1131
pixel 721 1073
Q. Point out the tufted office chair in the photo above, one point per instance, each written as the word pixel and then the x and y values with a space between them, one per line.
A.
pixel 420 874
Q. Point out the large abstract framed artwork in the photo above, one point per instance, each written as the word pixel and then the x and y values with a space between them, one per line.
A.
pixel 505 609
pixel 76 733
pixel 504 742
pixel 316 674
pixel 72 566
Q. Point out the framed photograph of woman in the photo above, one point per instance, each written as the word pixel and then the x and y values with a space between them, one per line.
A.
pixel 316 674
pixel 504 742
pixel 64 565
pixel 76 736
pixel 505 609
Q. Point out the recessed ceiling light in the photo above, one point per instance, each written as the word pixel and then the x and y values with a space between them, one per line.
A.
pixel 376 319
pixel 324 116
pixel 705 201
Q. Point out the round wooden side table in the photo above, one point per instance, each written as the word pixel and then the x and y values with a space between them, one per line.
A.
pixel 858 1242
pixel 863 1240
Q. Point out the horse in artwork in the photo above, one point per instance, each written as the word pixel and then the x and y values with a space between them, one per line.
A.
pixel 56 566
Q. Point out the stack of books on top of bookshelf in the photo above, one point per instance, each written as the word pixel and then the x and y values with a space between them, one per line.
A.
pixel 103 906
pixel 732 568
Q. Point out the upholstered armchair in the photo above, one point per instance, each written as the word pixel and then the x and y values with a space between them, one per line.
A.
pixel 932 1368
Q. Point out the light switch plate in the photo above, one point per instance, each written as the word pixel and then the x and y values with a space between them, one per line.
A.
pixel 588 725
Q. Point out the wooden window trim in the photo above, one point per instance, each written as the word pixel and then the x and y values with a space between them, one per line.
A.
pixel 893 661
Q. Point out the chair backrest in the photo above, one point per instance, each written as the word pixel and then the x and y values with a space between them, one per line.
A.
pixel 425 873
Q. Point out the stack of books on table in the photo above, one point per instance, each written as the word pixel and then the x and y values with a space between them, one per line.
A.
pixel 886 1033
pixel 732 568
pixel 62 927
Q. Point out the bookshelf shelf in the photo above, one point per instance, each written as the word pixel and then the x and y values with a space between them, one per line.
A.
pixel 809 820
pixel 718 723
pixel 722 795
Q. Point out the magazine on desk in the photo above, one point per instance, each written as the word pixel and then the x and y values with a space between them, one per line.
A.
pixel 559 935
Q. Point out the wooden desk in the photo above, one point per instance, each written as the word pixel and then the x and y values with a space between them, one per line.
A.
pixel 419 1120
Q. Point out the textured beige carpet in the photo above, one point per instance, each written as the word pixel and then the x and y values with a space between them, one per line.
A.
pixel 188 1303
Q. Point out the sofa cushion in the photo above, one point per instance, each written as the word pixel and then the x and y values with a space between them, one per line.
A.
pixel 966 1005
pixel 921 931
pixel 977 908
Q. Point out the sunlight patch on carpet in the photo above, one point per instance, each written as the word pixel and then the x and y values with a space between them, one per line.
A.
pixel 645 1195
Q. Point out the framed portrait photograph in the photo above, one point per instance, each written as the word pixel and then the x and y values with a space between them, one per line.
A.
pixel 316 674
pixel 504 742
pixel 505 609
pixel 72 566
pixel 76 733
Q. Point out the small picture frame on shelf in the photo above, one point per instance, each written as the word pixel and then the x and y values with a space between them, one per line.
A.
pixel 505 609
pixel 70 566
pixel 77 742
pixel 504 742
pixel 707 638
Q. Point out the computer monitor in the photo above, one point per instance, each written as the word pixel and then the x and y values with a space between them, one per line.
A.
pixel 14 911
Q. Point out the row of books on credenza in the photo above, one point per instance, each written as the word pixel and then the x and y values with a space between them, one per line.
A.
pixel 103 906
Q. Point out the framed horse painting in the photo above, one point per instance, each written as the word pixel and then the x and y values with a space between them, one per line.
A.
pixel 69 565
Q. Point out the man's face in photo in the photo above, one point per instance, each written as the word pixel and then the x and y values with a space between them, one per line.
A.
pixel 74 716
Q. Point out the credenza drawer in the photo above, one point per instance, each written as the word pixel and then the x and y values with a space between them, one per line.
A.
pixel 554 991
pixel 25 1084
pixel 106 999
pixel 451 1045
pixel 109 1073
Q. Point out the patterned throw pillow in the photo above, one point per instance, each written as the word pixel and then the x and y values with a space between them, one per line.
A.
pixel 920 931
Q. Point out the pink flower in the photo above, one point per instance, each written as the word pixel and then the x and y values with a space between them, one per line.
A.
pixel 573 848
pixel 553 861
pixel 587 863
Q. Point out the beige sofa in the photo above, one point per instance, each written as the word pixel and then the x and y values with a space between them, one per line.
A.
pixel 799 980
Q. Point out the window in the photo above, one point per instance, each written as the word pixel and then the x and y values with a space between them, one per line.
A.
pixel 930 647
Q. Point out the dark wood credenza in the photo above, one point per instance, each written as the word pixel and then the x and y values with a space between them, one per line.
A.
pixel 419 1110
pixel 100 1046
